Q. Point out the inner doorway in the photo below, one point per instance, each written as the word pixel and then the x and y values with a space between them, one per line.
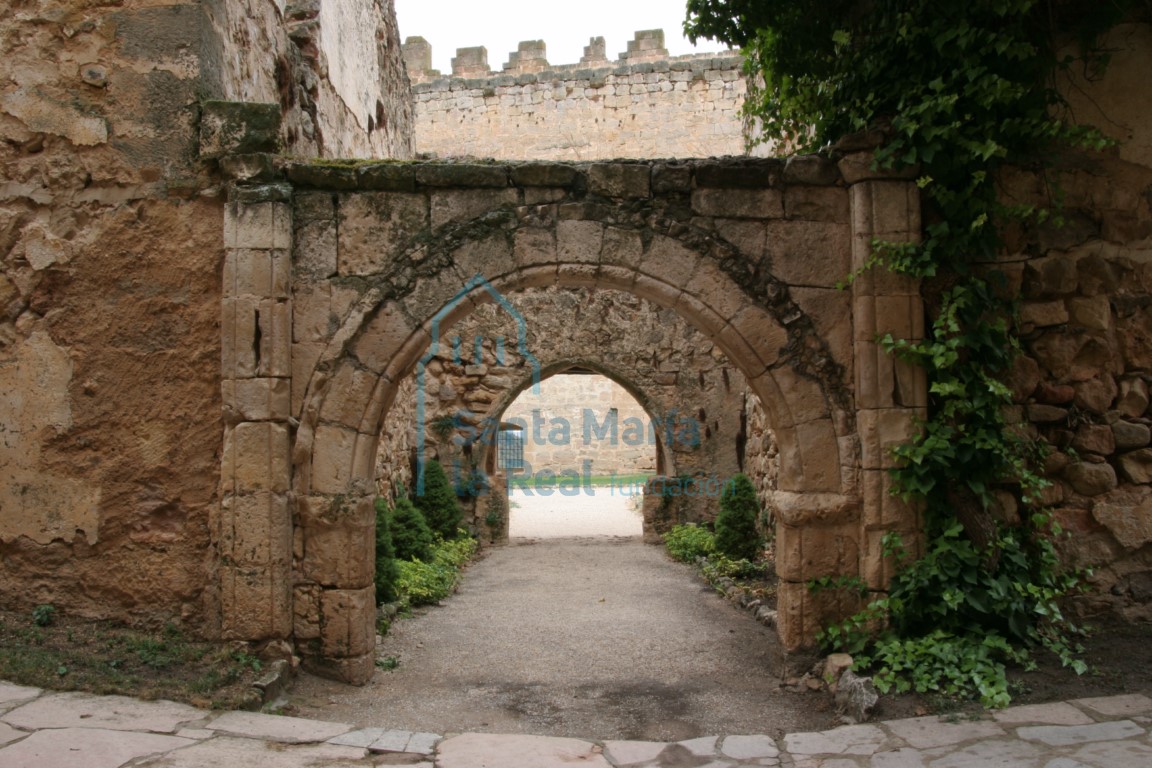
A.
pixel 577 453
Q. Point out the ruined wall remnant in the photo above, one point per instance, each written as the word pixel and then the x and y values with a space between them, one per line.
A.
pixel 675 370
pixel 584 420
pixel 644 105
pixel 111 259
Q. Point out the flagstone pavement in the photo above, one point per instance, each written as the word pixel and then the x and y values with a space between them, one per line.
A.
pixel 40 729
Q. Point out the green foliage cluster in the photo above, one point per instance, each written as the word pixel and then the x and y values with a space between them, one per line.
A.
pixel 411 535
pixel 386 572
pixel 495 513
pixel 736 535
pixel 428 582
pixel 438 502
pixel 688 542
pixel 718 566
pixel 956 89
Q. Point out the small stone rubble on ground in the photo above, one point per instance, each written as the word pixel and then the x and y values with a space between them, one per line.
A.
pixel 40 729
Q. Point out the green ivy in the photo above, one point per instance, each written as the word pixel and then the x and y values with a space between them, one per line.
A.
pixel 955 89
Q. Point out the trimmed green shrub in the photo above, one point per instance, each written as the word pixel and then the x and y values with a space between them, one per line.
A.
pixel 386 573
pixel 439 504
pixel 736 534
pixel 411 535
pixel 687 542
pixel 426 583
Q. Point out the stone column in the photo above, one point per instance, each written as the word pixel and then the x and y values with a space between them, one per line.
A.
pixel 891 394
pixel 254 528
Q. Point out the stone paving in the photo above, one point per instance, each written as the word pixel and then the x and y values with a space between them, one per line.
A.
pixel 40 729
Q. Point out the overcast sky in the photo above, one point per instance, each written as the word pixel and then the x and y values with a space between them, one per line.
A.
pixel 499 25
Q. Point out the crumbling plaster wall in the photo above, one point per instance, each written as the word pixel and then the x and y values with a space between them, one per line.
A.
pixel 111 252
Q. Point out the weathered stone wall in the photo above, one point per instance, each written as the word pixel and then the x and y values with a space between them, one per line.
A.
pixel 677 371
pixel 644 105
pixel 111 256
pixel 585 405
pixel 1083 382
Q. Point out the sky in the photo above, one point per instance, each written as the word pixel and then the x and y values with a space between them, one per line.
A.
pixel 565 27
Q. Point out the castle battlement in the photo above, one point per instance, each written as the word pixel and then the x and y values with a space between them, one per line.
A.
pixel 528 64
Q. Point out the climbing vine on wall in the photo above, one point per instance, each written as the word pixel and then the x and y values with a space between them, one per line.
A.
pixel 956 89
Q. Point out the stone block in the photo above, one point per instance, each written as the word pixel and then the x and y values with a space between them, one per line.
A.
pixel 306 612
pixel 257 400
pixel 888 210
pixel 304 358
pixel 1128 435
pixel 333 451
pixel 374 227
pixel 748 236
pixel 383 336
pixel 488 257
pixel 671 178
pixel 314 222
pixel 670 261
pixel 1095 394
pixel 256 273
pixel 544 175
pixel 274 320
pixel 1136 466
pixel 357 670
pixel 347 622
pixel 533 247
pixel 256 530
pixel 461 175
pixel 467 204
pixel 1093 313
pixel 258 225
pixel 811 169
pixel 238 128
pixel 881 430
pixel 349 392
pixel 1090 479
pixel 886 381
pixel 812 551
pixel 579 241
pixel 829 204
pixel 620 180
pixel 1130 524
pixel 809 253
pixel 386 177
pixel 339 541
pixel 326 176
pixel 881 508
pixel 717 290
pixel 1133 398
pixel 1043 314
pixel 739 203
pixel 239 348
pixel 621 247
pixel 256 458
pixel 820 455
pixel 255 603
pixel 276 728
pixel 749 173
pixel 1095 438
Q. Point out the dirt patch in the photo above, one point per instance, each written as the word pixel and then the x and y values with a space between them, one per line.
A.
pixel 77 655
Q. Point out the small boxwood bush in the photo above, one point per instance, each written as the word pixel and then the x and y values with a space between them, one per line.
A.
pixel 687 542
pixel 736 535
pixel 438 502
pixel 411 535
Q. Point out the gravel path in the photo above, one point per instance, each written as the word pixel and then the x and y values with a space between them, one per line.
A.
pixel 603 638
